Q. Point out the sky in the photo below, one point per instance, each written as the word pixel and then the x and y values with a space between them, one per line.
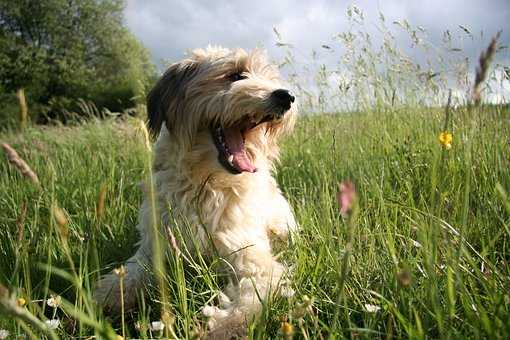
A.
pixel 170 28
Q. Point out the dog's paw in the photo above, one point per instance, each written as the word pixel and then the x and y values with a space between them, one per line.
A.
pixel 216 316
pixel 282 224
pixel 225 323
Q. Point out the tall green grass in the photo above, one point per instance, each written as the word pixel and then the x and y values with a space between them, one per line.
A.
pixel 425 255
pixel 429 246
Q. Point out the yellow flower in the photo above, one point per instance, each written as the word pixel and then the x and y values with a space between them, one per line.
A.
pixel 21 302
pixel 446 138
pixel 287 329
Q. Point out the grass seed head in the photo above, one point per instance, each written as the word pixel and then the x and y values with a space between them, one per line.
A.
pixel 20 164
pixel 121 271
pixel 142 127
pixel 100 202
pixel 483 68
pixel 61 220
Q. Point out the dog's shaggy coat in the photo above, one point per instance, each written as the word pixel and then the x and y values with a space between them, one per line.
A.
pixel 219 115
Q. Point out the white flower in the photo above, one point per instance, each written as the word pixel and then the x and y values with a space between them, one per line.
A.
pixel 157 326
pixel 4 334
pixel 416 244
pixel 53 323
pixel 371 308
pixel 54 301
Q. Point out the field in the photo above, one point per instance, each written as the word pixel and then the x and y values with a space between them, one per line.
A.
pixel 424 254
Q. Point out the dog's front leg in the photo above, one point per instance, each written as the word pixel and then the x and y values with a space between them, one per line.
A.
pixel 256 275
pixel 281 221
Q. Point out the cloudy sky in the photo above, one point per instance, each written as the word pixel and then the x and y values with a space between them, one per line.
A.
pixel 170 27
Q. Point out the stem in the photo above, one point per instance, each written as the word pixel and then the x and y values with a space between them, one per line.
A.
pixel 121 282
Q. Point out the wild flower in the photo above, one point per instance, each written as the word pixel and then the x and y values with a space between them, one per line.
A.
pixel 52 324
pixel 372 308
pixel 416 243
pixel 287 330
pixel 54 301
pixel 4 334
pixel 445 139
pixel 346 197
pixel 21 302
pixel 157 326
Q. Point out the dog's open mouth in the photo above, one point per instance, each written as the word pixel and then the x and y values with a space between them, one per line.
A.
pixel 230 143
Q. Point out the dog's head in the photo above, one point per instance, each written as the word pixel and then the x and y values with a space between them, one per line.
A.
pixel 229 101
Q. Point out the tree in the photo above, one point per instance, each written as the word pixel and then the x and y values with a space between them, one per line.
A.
pixel 63 50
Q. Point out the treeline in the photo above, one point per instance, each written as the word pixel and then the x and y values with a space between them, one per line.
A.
pixel 60 53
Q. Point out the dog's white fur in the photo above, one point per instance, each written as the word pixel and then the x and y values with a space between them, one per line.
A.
pixel 240 212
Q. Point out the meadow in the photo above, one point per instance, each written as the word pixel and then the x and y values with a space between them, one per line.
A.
pixel 423 252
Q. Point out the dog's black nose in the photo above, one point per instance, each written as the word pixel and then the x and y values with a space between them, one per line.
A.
pixel 282 98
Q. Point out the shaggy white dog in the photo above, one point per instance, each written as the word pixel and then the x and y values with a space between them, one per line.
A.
pixel 219 115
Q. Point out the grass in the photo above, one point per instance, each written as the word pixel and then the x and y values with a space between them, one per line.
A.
pixel 427 254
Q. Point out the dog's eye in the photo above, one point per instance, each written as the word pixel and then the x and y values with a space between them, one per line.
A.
pixel 236 76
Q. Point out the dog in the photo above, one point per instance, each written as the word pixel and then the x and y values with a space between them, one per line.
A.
pixel 218 116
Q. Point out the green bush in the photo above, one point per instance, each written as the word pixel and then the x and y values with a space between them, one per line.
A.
pixel 61 51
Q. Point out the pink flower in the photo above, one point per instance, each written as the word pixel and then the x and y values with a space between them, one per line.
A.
pixel 346 197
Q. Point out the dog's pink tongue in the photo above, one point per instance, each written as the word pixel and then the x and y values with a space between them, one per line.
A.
pixel 235 143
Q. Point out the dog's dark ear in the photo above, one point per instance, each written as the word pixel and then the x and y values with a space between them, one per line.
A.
pixel 166 98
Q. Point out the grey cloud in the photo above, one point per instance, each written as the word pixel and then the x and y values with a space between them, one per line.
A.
pixel 169 28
